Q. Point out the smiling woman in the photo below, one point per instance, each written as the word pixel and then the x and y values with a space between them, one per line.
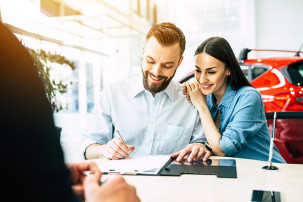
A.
pixel 212 76
pixel 231 110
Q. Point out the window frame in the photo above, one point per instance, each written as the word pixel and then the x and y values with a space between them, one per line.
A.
pixel 249 70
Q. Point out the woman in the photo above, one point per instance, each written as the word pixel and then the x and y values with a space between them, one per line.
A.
pixel 231 110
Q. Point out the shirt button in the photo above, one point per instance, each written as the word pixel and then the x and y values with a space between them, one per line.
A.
pixel 220 106
pixel 220 112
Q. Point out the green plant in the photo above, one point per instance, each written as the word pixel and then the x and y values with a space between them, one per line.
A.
pixel 45 62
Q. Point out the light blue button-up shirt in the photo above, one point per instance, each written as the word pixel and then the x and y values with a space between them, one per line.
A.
pixel 163 124
pixel 243 124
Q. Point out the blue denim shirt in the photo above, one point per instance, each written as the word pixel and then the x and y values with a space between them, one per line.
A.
pixel 243 124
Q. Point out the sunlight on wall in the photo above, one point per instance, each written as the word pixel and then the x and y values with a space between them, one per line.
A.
pixel 232 19
pixel 100 58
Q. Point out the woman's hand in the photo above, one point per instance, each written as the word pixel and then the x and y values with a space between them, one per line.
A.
pixel 185 92
pixel 194 152
pixel 194 94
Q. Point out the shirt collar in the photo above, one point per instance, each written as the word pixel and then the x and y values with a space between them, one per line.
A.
pixel 139 87
pixel 227 97
pixel 170 90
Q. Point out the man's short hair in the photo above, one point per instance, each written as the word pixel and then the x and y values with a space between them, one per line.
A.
pixel 167 34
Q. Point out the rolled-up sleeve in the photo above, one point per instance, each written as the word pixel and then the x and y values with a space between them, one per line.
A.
pixel 246 120
pixel 99 127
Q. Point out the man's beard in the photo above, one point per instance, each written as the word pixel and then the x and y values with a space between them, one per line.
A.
pixel 155 88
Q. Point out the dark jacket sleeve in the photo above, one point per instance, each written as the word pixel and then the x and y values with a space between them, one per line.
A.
pixel 32 164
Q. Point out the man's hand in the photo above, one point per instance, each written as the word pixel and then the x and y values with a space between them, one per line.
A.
pixel 193 152
pixel 114 189
pixel 117 149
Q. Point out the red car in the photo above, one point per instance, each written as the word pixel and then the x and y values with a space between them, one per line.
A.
pixel 280 82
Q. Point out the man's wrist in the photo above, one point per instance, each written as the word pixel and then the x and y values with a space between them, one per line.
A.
pixel 207 146
pixel 93 151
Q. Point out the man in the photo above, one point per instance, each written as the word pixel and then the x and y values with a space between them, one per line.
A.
pixel 151 113
pixel 32 163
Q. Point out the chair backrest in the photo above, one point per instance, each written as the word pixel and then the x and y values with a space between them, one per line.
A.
pixel 288 135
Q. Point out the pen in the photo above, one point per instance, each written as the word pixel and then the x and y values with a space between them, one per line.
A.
pixel 87 173
pixel 120 137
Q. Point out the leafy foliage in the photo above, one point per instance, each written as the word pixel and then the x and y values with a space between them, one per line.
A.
pixel 44 62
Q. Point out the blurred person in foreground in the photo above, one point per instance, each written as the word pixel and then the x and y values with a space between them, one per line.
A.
pixel 32 164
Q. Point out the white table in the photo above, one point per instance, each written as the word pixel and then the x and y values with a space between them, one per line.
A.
pixel 288 180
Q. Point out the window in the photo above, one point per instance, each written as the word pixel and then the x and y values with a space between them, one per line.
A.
pixel 246 71
pixel 252 72
pixel 257 71
pixel 89 87
pixel 73 91
pixel 294 73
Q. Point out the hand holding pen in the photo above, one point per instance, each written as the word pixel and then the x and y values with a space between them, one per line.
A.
pixel 79 172
pixel 117 149
pixel 90 188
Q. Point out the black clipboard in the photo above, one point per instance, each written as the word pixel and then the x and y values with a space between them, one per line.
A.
pixel 222 168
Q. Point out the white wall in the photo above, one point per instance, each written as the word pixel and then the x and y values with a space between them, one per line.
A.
pixel 263 24
pixel 279 25
pixel 200 19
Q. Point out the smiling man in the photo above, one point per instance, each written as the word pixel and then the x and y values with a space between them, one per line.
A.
pixel 159 65
pixel 150 111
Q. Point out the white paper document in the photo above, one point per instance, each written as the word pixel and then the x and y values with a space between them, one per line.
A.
pixel 143 165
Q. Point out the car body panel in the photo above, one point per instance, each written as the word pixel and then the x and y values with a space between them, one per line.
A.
pixel 278 94
pixel 288 135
